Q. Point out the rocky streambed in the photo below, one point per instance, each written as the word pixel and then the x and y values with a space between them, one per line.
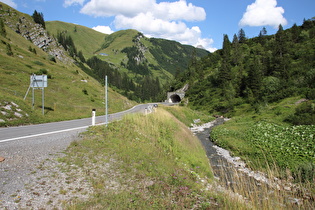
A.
pixel 232 173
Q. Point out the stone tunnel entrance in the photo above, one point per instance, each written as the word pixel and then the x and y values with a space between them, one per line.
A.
pixel 175 98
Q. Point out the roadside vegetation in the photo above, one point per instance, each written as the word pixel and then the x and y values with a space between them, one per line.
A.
pixel 268 143
pixel 266 86
pixel 154 163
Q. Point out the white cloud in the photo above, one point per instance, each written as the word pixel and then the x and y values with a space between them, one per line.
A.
pixel 263 13
pixel 103 29
pixel 10 3
pixel 107 8
pixel 206 43
pixel 179 10
pixel 173 30
pixel 147 23
pixel 162 20
pixel 68 3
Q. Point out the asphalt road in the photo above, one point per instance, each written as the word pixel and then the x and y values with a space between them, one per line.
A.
pixel 30 153
pixel 30 131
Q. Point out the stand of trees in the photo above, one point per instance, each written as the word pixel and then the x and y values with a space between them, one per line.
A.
pixel 136 61
pixel 260 70
pixel 38 17
pixel 67 42
pixel 147 88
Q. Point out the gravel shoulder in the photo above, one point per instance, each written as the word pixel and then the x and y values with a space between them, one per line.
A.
pixel 32 177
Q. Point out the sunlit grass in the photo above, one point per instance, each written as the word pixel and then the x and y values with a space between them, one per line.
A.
pixel 64 98
pixel 154 162
pixel 157 161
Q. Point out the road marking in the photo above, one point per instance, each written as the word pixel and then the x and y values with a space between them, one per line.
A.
pixel 42 134
pixel 71 129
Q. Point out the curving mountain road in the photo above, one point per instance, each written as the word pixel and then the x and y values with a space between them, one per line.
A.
pixel 23 132
pixel 30 154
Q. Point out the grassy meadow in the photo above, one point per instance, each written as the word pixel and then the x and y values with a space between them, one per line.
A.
pixel 87 40
pixel 70 94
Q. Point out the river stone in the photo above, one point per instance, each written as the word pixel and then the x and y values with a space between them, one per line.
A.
pixel 2 159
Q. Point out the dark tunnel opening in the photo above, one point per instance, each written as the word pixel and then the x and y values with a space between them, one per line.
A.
pixel 175 98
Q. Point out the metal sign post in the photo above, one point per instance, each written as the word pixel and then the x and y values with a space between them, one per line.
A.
pixel 37 82
pixel 106 102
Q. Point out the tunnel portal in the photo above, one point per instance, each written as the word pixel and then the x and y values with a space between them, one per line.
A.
pixel 175 98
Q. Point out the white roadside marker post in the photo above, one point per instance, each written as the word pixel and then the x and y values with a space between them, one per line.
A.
pixel 93 117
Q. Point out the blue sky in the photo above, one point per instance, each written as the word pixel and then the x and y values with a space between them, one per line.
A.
pixel 193 22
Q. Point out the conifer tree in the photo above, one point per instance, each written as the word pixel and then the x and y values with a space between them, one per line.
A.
pixel 39 18
pixel 241 36
pixel 235 40
pixel 263 31
pixel 224 75
pixel 255 77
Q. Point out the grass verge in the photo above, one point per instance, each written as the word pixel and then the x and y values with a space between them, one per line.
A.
pixel 152 162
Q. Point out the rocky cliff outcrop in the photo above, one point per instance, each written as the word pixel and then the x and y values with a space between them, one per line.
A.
pixel 35 33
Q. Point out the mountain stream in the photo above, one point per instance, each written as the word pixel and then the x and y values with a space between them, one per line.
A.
pixel 232 174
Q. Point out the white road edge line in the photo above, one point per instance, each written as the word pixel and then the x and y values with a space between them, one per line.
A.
pixel 42 134
pixel 60 131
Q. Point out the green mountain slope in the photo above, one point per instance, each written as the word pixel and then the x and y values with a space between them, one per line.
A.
pixel 130 51
pixel 86 40
pixel 71 93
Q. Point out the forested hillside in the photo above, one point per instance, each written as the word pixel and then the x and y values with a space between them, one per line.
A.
pixel 255 71
pixel 266 85
pixel 137 66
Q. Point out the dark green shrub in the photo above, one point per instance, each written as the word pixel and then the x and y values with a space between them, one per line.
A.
pixel 39 63
pixel 304 114
pixel 44 71
pixel 85 91
pixel 52 58
pixel 305 172
pixel 9 50
pixel 311 94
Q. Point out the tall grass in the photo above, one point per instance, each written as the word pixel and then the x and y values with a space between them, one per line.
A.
pixel 266 191
pixel 155 163
pixel 280 150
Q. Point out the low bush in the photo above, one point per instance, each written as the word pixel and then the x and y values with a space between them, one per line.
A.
pixel 304 114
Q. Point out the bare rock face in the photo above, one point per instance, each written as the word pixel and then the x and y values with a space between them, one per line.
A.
pixel 35 33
